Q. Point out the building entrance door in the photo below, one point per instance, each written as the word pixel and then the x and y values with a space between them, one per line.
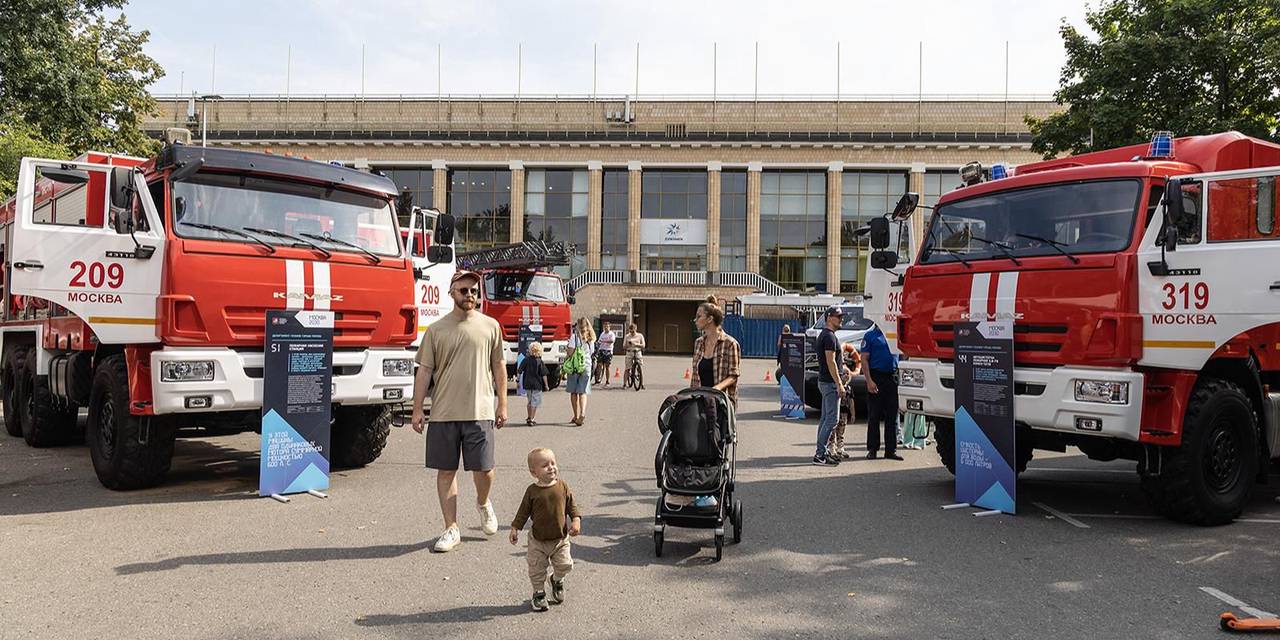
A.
pixel 667 324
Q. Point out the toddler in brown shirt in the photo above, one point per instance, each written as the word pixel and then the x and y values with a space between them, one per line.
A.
pixel 548 501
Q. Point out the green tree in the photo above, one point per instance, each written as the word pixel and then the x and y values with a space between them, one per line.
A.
pixel 18 140
pixel 1187 66
pixel 74 79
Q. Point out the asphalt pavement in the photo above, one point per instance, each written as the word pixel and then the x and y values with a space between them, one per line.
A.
pixel 859 550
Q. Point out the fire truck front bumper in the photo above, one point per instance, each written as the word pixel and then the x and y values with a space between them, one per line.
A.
pixel 1065 399
pixel 181 380
pixel 553 352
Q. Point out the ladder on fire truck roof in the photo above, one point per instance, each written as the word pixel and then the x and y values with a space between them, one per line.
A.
pixel 531 254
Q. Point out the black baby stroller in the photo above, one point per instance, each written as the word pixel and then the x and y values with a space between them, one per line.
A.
pixel 697 457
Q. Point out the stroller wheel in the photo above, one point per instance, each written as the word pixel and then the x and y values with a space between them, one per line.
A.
pixel 736 518
pixel 719 547
pixel 657 544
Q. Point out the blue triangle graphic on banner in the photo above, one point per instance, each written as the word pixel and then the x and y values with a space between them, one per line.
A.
pixel 277 479
pixel 975 484
pixel 310 478
pixel 997 498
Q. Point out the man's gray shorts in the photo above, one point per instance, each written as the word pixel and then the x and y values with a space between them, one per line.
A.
pixel 473 439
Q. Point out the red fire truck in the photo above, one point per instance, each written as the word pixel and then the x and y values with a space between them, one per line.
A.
pixel 520 290
pixel 1144 289
pixel 138 288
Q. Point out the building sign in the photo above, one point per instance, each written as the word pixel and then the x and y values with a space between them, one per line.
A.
pixel 791 380
pixel 985 429
pixel 673 231
pixel 297 389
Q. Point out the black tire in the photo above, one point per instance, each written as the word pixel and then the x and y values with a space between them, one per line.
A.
pixel 737 521
pixel 944 437
pixel 638 377
pixel 359 434
pixel 14 403
pixel 1207 480
pixel 719 547
pixel 1025 453
pixel 121 461
pixel 44 422
pixel 657 543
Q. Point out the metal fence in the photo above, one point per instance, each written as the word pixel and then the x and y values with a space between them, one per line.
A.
pixel 757 337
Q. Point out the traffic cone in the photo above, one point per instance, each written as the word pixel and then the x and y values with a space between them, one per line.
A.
pixel 686 374
pixel 767 376
pixel 617 373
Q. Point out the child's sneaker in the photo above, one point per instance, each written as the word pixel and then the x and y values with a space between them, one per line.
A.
pixel 488 519
pixel 539 601
pixel 447 540
pixel 557 590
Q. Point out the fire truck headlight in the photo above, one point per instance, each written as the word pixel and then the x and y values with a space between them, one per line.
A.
pixel 186 371
pixel 1102 391
pixel 397 367
pixel 911 377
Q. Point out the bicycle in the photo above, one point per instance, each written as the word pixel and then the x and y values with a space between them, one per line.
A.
pixel 600 369
pixel 634 377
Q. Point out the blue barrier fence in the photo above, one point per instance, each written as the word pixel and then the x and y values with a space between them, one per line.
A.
pixel 759 337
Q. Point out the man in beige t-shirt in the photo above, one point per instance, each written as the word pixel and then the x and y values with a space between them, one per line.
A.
pixel 463 353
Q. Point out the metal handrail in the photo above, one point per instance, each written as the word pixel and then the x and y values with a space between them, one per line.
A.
pixel 598 276
pixel 618 97
pixel 748 279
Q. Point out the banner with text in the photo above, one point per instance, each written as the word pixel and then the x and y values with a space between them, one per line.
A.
pixel 791 380
pixel 297 388
pixel 673 231
pixel 984 430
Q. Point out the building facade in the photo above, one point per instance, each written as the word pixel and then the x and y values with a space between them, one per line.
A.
pixel 664 200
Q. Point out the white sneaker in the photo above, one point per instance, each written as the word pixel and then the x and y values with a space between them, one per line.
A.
pixel 447 540
pixel 488 519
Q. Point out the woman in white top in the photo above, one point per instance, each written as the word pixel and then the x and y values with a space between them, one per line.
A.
pixel 578 384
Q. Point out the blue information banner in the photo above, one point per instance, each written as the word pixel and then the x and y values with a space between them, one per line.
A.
pixel 297 389
pixel 791 382
pixel 985 431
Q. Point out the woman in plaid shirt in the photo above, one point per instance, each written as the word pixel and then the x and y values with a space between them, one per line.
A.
pixel 716 355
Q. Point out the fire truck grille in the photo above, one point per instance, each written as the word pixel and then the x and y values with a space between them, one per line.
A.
pixel 1038 338
pixel 249 323
pixel 513 334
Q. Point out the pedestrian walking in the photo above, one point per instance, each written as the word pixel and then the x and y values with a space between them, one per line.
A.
pixel 533 376
pixel 882 394
pixel 462 353
pixel 829 384
pixel 717 357
pixel 549 503
pixel 578 367
pixel 604 350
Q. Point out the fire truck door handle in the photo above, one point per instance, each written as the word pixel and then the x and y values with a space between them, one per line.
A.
pixel 33 265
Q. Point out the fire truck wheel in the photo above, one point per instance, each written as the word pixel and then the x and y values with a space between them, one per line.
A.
pixel 44 422
pixel 120 457
pixel 944 435
pixel 359 434
pixel 14 362
pixel 1208 478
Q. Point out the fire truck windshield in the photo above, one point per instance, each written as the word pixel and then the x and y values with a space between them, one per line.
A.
pixel 537 287
pixel 206 202
pixel 1061 219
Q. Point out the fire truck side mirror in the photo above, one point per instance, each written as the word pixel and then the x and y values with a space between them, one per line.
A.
pixel 879 232
pixel 444 230
pixel 1173 213
pixel 121 187
pixel 906 206
pixel 568 297
pixel 439 254
pixel 884 259
pixel 404 203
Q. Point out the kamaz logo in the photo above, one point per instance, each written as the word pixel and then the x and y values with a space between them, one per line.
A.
pixel 1003 315
pixel 281 295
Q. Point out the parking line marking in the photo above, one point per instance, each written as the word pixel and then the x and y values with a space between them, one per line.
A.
pixel 1237 603
pixel 1060 515
pixel 1125 516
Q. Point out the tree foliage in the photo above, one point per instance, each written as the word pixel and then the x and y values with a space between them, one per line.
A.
pixel 18 140
pixel 72 79
pixel 1187 66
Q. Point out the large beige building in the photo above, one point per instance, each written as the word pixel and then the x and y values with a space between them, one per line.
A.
pixel 665 199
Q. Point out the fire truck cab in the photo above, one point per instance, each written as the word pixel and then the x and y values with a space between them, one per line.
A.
pixel 429 240
pixel 138 289
pixel 1144 288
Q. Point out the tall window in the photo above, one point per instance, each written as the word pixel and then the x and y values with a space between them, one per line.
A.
pixel 793 229
pixel 614 220
pixel 864 195
pixel 733 221
pixel 675 203
pixel 419 182
pixel 555 210
pixel 481 201
pixel 937 184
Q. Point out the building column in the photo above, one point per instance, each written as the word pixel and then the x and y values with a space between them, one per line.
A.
pixel 753 216
pixel 713 216
pixel 439 185
pixel 517 201
pixel 595 209
pixel 633 214
pixel 835 188
pixel 915 184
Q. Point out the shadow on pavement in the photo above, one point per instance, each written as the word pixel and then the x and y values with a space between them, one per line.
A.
pixel 315 554
pixel 460 614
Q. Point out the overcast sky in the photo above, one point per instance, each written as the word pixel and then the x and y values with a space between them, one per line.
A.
pixel 964 46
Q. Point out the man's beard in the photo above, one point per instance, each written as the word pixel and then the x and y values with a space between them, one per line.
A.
pixel 466 304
